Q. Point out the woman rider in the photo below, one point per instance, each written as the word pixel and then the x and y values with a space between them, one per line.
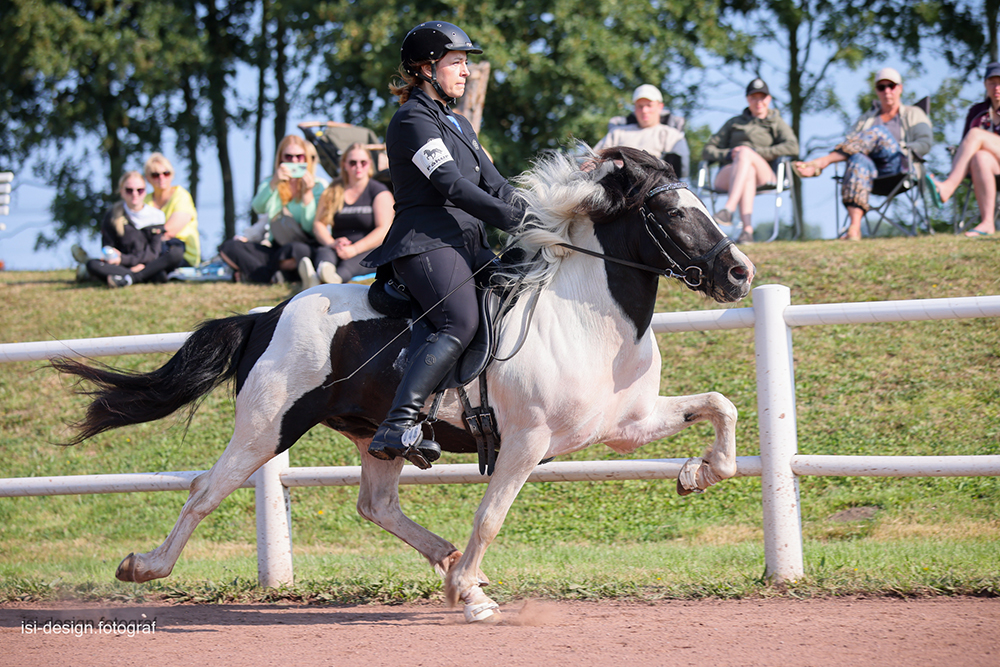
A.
pixel 445 186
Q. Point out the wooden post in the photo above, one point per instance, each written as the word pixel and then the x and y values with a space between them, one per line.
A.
pixel 472 102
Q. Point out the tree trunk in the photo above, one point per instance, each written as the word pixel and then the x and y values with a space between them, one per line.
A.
pixel 192 131
pixel 263 60
pixel 281 100
pixel 472 103
pixel 992 10
pixel 796 104
pixel 217 85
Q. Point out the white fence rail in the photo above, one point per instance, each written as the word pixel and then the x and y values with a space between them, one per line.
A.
pixel 779 465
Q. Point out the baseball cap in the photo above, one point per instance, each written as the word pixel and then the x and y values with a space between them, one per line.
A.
pixel 993 69
pixel 757 86
pixel 888 74
pixel 647 91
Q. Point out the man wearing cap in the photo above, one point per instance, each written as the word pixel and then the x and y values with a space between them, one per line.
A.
pixel 647 132
pixel 745 147
pixel 978 156
pixel 882 142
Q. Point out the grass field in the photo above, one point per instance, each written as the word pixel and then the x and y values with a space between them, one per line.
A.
pixel 885 389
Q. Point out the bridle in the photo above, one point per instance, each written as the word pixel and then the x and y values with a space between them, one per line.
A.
pixel 693 275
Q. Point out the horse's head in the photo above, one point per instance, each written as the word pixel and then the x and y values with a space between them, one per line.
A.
pixel 648 217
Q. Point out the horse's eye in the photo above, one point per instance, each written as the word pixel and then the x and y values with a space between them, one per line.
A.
pixel 674 212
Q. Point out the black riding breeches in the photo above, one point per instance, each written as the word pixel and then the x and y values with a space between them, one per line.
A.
pixel 445 273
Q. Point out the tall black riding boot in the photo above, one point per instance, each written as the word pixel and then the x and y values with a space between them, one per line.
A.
pixel 400 434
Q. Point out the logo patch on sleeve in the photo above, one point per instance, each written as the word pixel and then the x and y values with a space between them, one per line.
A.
pixel 431 155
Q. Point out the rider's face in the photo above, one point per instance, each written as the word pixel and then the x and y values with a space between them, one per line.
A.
pixel 452 71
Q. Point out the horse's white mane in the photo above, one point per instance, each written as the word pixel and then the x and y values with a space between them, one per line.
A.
pixel 557 193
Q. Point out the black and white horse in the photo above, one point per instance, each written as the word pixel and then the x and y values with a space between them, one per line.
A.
pixel 586 370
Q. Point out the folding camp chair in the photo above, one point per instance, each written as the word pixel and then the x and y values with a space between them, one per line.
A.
pixel 331 139
pixel 782 184
pixel 907 185
pixel 666 118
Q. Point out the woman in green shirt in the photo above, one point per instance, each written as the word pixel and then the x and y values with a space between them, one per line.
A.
pixel 270 251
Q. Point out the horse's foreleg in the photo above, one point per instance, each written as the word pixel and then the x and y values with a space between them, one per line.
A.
pixel 514 464
pixel 673 414
pixel 378 501
pixel 242 457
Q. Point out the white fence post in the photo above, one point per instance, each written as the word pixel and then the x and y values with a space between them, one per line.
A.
pixel 274 524
pixel 778 438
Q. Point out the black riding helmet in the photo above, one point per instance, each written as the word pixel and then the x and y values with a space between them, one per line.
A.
pixel 430 41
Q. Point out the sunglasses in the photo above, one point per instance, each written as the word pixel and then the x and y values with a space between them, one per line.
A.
pixel 882 87
pixel 156 174
pixel 135 191
pixel 357 163
pixel 294 157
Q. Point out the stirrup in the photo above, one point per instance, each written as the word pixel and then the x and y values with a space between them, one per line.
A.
pixel 423 456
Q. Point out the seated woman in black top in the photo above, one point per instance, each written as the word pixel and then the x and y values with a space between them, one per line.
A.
pixel 352 217
pixel 134 229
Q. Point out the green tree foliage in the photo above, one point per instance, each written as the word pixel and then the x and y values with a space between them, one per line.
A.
pixel 560 68
pixel 86 69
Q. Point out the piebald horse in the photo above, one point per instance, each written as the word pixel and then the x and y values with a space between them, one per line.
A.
pixel 586 368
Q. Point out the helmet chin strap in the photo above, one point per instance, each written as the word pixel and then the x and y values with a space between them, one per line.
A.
pixel 447 99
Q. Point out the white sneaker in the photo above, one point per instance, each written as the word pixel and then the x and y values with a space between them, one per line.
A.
pixel 328 274
pixel 307 273
pixel 79 254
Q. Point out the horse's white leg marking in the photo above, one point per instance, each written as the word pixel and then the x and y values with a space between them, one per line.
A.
pixel 514 464
pixel 672 414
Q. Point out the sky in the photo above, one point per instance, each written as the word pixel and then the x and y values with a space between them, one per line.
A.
pixel 30 200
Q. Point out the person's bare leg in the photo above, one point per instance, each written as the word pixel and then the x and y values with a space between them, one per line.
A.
pixel 984 169
pixel 976 140
pixel 804 169
pixel 855 215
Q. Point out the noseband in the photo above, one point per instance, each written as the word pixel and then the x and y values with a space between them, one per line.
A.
pixel 692 274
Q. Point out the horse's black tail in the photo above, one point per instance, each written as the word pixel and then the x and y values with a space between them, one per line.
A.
pixel 209 357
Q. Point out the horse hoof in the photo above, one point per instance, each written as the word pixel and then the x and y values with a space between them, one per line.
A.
pixel 126 569
pixel 687 478
pixel 484 612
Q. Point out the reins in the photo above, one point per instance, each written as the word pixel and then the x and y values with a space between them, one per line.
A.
pixel 692 275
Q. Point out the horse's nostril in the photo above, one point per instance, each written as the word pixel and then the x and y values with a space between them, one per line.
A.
pixel 738 274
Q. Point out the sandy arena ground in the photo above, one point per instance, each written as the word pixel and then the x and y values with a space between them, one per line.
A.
pixel 841 633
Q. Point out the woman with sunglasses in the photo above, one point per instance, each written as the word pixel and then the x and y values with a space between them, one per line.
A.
pixel 445 187
pixel 352 217
pixel 884 141
pixel 270 251
pixel 177 205
pixel 132 234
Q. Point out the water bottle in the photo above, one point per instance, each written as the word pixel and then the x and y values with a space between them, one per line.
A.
pixel 109 253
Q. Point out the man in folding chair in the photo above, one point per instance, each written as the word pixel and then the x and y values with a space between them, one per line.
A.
pixel 648 133
pixel 886 140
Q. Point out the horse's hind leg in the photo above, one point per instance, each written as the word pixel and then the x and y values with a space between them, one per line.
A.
pixel 378 501
pixel 245 453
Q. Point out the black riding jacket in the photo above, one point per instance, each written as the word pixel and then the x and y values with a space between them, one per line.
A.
pixel 444 184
